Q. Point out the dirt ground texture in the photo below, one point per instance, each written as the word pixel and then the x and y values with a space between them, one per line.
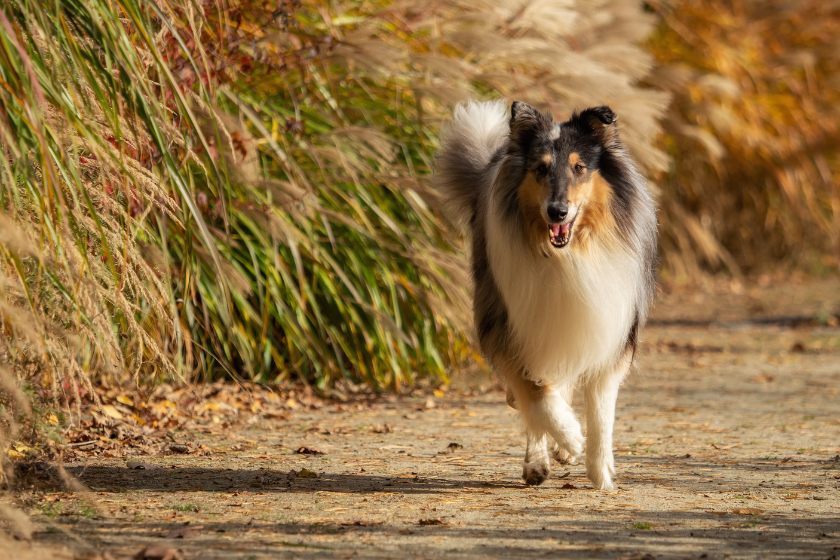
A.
pixel 727 445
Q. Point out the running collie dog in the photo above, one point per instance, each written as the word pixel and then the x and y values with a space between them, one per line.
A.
pixel 564 257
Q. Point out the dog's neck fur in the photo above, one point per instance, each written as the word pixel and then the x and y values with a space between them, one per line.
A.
pixel 570 309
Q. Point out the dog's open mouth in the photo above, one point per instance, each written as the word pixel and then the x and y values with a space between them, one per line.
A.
pixel 560 234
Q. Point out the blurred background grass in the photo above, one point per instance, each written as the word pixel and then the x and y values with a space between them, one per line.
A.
pixel 197 189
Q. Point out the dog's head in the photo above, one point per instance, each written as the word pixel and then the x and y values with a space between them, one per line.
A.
pixel 556 172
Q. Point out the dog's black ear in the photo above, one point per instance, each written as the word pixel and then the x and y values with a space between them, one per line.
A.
pixel 598 117
pixel 601 123
pixel 520 111
pixel 524 120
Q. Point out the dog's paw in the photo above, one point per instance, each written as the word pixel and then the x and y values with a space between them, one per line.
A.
pixel 600 479
pixel 535 474
pixel 561 455
pixel 600 472
pixel 569 448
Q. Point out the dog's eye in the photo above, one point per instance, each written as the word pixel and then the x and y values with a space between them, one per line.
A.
pixel 579 168
pixel 542 169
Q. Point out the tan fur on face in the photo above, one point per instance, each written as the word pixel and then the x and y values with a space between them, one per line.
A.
pixel 588 192
pixel 532 193
pixel 546 158
pixel 592 197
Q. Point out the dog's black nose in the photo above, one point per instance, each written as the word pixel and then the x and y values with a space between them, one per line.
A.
pixel 557 212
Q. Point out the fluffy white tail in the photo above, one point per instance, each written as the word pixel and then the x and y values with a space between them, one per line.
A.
pixel 476 132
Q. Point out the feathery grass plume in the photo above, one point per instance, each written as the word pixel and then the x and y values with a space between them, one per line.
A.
pixel 333 221
pixel 754 133
pixel 95 133
pixel 197 189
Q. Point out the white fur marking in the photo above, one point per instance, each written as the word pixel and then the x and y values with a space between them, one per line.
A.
pixel 570 313
pixel 483 126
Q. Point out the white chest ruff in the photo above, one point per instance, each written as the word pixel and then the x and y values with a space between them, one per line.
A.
pixel 569 313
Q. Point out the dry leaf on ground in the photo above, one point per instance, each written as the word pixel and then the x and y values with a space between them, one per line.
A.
pixel 748 511
pixel 140 465
pixel 451 448
pixel 158 553
pixel 306 473
pixel 304 450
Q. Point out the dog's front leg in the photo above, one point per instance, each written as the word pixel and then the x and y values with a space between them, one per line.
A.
pixel 536 468
pixel 544 412
pixel 601 393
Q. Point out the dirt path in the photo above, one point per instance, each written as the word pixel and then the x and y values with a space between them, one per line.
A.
pixel 727 445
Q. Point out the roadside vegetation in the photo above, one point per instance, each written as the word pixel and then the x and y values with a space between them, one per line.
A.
pixel 192 192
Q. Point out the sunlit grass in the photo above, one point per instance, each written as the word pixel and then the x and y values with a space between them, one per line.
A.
pixel 754 136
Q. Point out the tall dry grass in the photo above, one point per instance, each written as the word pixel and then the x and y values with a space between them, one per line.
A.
pixel 353 98
pixel 753 133
pixel 191 191
pixel 97 138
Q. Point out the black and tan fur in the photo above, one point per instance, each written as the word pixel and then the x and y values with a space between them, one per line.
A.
pixel 563 239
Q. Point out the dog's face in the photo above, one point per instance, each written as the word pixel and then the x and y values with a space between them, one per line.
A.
pixel 562 194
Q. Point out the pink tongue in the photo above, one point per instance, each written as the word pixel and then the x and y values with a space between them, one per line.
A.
pixel 565 228
pixel 555 230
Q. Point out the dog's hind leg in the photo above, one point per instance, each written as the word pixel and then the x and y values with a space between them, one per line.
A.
pixel 601 393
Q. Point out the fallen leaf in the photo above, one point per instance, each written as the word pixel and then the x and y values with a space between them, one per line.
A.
pixel 111 411
pixel 430 403
pixel 306 473
pixel 125 399
pixel 139 465
pixel 178 448
pixel 362 523
pixel 304 450
pixel 748 511
pixel 22 448
pixel 568 486
pixel 158 553
pixel 15 455
pixel 451 448
pixel 431 522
